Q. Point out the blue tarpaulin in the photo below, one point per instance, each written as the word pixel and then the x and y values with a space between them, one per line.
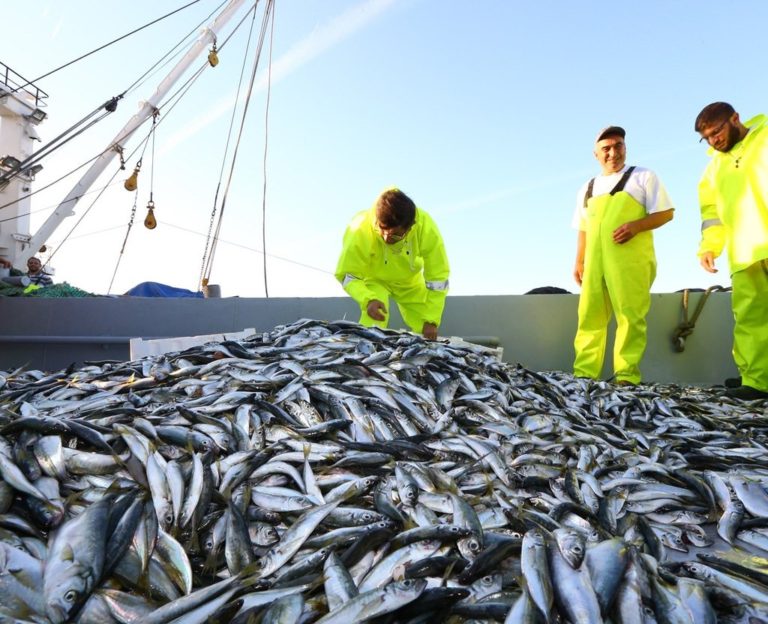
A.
pixel 156 289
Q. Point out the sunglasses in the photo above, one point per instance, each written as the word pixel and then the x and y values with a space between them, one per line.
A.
pixel 715 132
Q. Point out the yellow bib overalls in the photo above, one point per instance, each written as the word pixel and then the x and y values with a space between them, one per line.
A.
pixel 617 279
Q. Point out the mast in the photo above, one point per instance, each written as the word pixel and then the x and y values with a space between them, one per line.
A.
pixel 66 207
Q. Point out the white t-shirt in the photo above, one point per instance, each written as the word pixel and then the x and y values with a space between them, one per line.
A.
pixel 643 185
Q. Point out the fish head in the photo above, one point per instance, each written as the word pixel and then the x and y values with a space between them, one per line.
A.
pixel 48 514
pixel 571 546
pixel 408 586
pixel 469 547
pixel 534 537
pixel 266 535
pixel 66 590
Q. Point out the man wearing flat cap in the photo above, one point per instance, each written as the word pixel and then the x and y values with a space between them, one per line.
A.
pixel 615 259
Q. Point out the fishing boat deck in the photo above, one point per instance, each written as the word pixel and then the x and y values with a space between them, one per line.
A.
pixel 533 330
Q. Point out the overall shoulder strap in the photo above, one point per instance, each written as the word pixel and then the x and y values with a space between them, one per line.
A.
pixel 588 194
pixel 622 182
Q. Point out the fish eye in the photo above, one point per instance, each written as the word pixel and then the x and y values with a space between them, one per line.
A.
pixel 71 596
pixel 474 545
pixel 487 580
pixel 454 529
pixel 367 516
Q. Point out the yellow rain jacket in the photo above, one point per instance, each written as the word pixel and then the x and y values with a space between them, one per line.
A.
pixel 733 195
pixel 413 271
pixel 617 279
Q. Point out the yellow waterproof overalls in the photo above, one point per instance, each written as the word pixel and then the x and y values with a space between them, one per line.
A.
pixel 617 279
pixel 733 195
pixel 413 271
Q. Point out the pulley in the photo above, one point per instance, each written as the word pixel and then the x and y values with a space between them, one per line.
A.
pixel 213 56
pixel 132 182
pixel 150 222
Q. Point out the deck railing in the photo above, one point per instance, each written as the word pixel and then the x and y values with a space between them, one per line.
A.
pixel 13 82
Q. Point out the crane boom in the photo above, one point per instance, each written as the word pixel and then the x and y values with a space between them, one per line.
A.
pixel 67 206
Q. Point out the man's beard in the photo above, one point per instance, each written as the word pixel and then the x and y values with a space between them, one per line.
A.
pixel 734 136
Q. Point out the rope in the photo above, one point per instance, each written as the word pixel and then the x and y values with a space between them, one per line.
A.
pixel 266 136
pixel 106 45
pixel 203 264
pixel 260 46
pixel 686 326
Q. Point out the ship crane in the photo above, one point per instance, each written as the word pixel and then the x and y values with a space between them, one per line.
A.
pixel 18 247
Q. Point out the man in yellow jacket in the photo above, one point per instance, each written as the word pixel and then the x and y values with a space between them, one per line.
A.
pixel 615 258
pixel 733 195
pixel 394 249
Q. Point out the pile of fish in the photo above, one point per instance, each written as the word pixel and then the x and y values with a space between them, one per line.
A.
pixel 327 472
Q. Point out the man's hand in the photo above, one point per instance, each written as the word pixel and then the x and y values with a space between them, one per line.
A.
pixel 376 310
pixel 578 272
pixel 707 261
pixel 429 331
pixel 625 232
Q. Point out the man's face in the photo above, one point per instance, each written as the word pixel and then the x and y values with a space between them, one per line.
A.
pixel 33 264
pixel 611 153
pixel 721 135
pixel 393 235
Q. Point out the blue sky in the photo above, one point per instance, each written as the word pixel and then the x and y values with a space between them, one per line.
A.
pixel 484 112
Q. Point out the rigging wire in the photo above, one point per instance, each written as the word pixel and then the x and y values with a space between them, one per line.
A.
pixel 172 53
pixel 106 45
pixel 45 151
pixel 31 212
pixel 135 201
pixel 259 48
pixel 93 203
pixel 170 103
pixel 266 136
pixel 60 179
pixel 226 151
pixel 87 210
pixel 178 94
pixel 109 106
pixel 247 248
pixel 51 146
